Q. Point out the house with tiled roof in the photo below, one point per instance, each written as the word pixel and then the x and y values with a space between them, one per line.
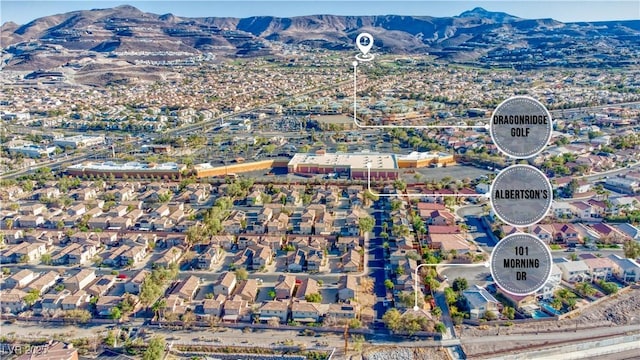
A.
pixel 187 288
pixel 574 271
pixel 347 287
pixel 626 270
pixel 44 282
pixel 583 210
pixel 566 233
pixel 274 309
pixel 80 280
pixel 225 284
pixel 609 234
pixel 20 279
pixel 600 268
pixel 440 217
pixel 214 306
pixel 247 290
pixel 305 312
pixel 351 261
pixel 285 286
pixel 13 301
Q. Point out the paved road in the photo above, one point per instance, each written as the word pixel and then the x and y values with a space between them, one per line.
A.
pixel 614 172
pixel 474 275
pixel 566 335
pixel 446 316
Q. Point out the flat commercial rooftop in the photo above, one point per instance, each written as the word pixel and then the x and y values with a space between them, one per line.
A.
pixel 423 155
pixel 109 165
pixel 354 160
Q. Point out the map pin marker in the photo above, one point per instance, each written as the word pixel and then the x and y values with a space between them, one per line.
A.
pixel 364 48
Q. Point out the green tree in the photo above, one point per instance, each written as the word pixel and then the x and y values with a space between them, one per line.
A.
pixel 399 185
pixel 110 339
pixel 269 149
pixel 366 224
pixel 460 284
pixel 314 298
pixel 440 328
pixel 490 315
pixel 241 274
pixel 631 249
pixel 388 284
pixel 392 319
pixel 158 306
pixel 509 312
pixel 31 297
pixel 27 186
pixel 46 259
pixel 608 287
pixel 585 289
pixel 155 349
pixel 115 313
pixel 450 296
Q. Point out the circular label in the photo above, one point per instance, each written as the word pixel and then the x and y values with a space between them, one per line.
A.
pixel 521 264
pixel 521 195
pixel 521 127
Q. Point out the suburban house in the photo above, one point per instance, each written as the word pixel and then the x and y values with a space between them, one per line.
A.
pixel 133 285
pixel 102 285
pixel 274 310
pixel 523 303
pixel 80 280
pixel 12 301
pixel 20 279
pixel 296 260
pixel 169 257
pixel 449 243
pixel 348 287
pixel 600 268
pixel 480 301
pixel 284 287
pixel 574 271
pixel 187 288
pixel 209 258
pixel 213 307
pixel 225 284
pixel 351 261
pixel 550 287
pixel 44 282
pixel 343 311
pixel 106 303
pixel 77 300
pixel 235 310
pixel 626 270
pixel 247 290
pixel 305 312
pixel 307 287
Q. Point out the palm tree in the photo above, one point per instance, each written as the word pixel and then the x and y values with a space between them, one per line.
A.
pixel 585 288
pixel 157 307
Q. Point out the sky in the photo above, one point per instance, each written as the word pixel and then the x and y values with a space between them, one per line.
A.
pixel 21 11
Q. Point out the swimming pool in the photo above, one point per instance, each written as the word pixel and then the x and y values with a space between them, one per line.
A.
pixel 550 309
pixel 539 314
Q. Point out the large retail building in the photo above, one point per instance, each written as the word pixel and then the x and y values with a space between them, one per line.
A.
pixel 383 166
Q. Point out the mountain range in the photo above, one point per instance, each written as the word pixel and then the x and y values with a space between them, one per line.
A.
pixel 477 35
